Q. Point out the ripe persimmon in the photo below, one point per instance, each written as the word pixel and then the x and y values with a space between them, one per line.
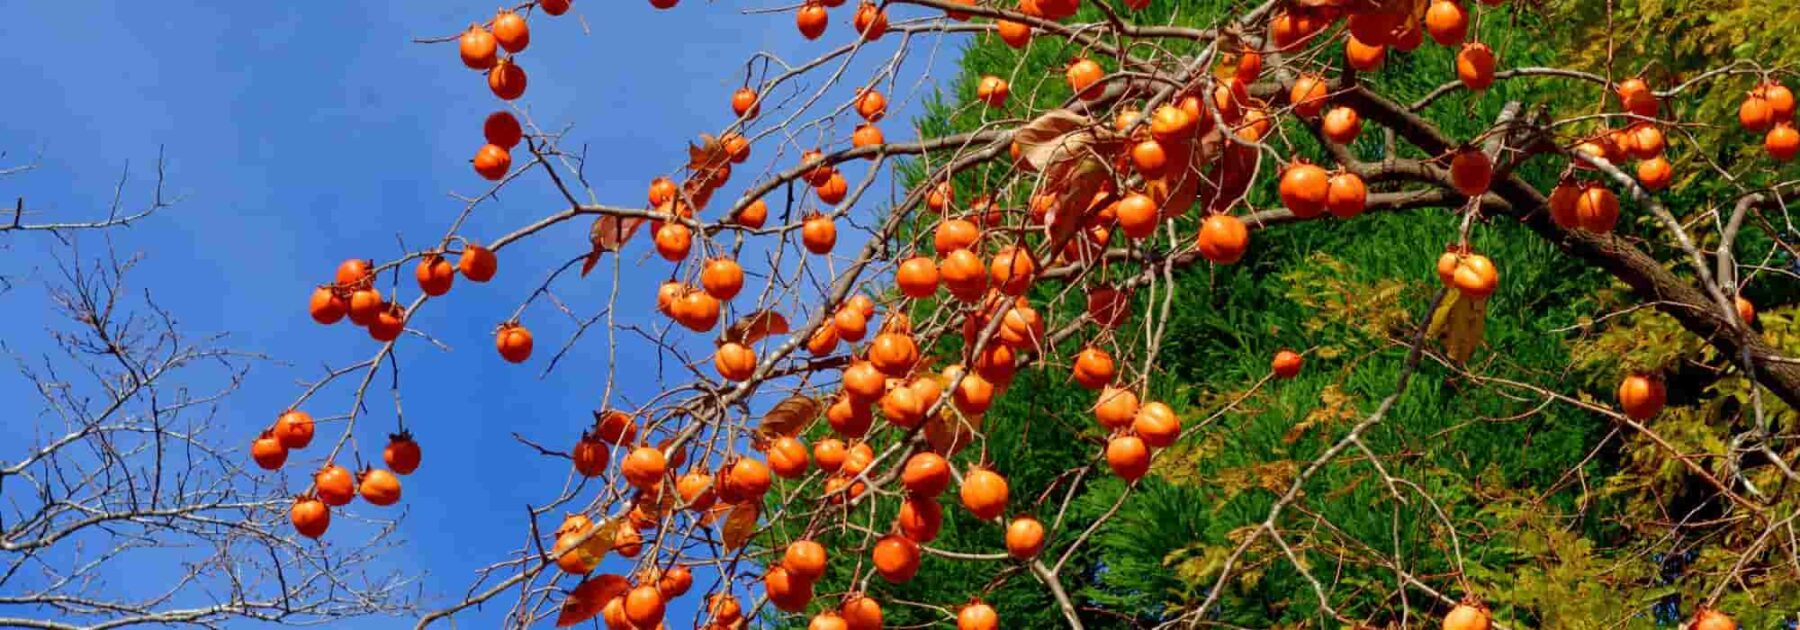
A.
pixel 737 147
pixel 1780 100
pixel 787 457
pixel 401 453
pixel 954 234
pixel 1746 310
pixel 722 278
pixel 827 620
pixel 1171 124
pixel 1447 22
pixel 1709 619
pixel 1365 57
pixel 389 322
pixel 1116 407
pixel 1012 269
pixel 829 453
pixel 334 485
pixel 268 452
pixel 1128 456
pixel 920 518
pixel 1083 74
pixel 674 241
pixel 477 263
pixel 871 105
pixel 1149 158
pixel 379 487
pixel 435 274
pixel 644 606
pixel 1224 238
pixel 696 490
pixel 1341 125
pixel 554 7
pixel 310 517
pixel 753 215
pixel 1345 195
pixel 491 162
pixel 1597 209
pixel 294 428
pixel 1286 364
pixel 902 407
pixel 1475 276
pixel 365 306
pixel 1015 34
pixel 973 394
pixel 896 558
pixel 977 616
pixel 984 493
pixel 818 234
pixel 1303 189
pixel 674 581
pixel 1093 368
pixel 506 79
pixel 1308 95
pixel 1755 114
pixel 992 90
pixel 1636 97
pixel 1562 204
pixel 744 103
pixel 866 135
pixel 894 354
pixel 1641 396
pixel 745 479
pixel 1782 142
pixel 833 190
pixel 1467 616
pixel 805 559
pixel 514 342
pixel 1655 173
pixel 1157 424
pixel 848 416
pixel 917 277
pixel 870 20
pixel 511 31
pixel 354 273
pixel 1137 215
pixel 812 19
pixel 327 305
pixel 962 272
pixel 644 467
pixel 734 361
pixel 925 475
pixel 477 47
pixel 1024 537
pixel 1475 66
pixel 1471 171
pixel 695 310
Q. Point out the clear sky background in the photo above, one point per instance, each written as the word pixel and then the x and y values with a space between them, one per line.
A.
pixel 301 134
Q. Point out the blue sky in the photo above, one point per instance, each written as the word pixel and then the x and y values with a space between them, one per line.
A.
pixel 301 134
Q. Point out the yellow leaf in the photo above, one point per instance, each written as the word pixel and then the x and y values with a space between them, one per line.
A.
pixel 596 546
pixel 1459 322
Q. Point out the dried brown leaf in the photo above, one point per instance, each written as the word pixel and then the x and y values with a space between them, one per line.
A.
pixel 608 234
pixel 787 417
pixel 754 327
pixel 589 598
pixel 740 525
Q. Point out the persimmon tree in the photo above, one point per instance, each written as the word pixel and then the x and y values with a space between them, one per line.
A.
pixel 118 455
pixel 832 358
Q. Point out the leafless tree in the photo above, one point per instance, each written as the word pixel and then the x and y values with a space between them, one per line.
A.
pixel 125 498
